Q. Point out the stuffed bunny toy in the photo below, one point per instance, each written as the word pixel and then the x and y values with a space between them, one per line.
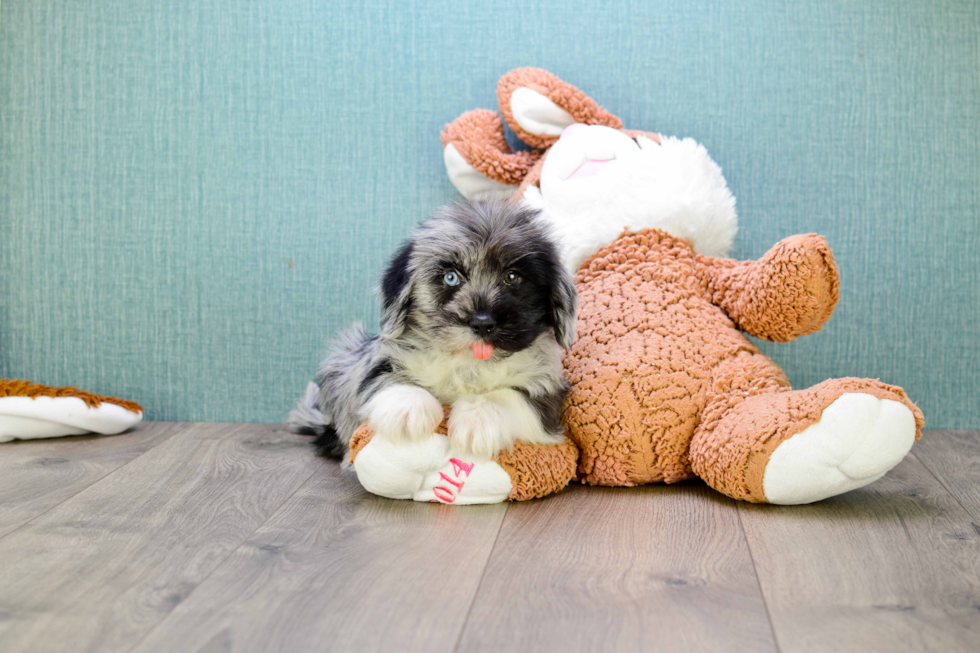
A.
pixel 664 385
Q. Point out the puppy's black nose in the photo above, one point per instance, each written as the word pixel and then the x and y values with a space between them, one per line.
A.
pixel 483 324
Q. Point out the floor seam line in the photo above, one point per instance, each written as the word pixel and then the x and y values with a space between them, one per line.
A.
pixel 755 572
pixel 483 574
pixel 93 483
pixel 227 557
pixel 945 487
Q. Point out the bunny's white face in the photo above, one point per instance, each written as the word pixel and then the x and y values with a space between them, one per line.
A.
pixel 597 181
pixel 584 151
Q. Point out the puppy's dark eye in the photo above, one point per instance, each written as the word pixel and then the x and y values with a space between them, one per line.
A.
pixel 451 278
pixel 512 278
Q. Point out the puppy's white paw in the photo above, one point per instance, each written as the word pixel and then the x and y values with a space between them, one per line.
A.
pixel 404 412
pixel 477 426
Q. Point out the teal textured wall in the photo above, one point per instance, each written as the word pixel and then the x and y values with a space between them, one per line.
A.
pixel 196 195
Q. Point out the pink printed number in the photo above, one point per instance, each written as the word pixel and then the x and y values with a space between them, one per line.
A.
pixel 458 484
pixel 443 494
pixel 459 465
pixel 447 494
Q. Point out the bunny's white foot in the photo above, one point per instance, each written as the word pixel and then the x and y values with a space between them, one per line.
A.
pixel 429 470
pixel 856 441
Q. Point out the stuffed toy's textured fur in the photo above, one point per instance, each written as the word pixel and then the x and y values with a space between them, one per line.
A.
pixel 664 385
pixel 31 410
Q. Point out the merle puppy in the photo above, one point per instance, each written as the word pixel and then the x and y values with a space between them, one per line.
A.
pixel 476 307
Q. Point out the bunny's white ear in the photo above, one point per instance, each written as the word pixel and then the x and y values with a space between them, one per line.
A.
pixel 536 114
pixel 538 106
pixel 478 159
pixel 470 183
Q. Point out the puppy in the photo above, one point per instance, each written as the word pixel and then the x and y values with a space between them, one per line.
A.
pixel 475 308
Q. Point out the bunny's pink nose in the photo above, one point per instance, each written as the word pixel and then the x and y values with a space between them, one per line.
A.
pixel 573 128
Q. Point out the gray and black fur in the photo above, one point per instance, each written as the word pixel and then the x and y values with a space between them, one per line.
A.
pixel 427 325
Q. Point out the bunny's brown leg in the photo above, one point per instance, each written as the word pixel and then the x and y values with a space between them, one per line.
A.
pixel 761 441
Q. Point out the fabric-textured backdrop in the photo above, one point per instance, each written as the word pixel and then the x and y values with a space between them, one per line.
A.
pixel 196 195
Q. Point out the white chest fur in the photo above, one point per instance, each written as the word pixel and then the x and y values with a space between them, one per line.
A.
pixel 449 376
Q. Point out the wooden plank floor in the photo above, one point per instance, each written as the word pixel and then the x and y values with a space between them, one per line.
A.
pixel 234 537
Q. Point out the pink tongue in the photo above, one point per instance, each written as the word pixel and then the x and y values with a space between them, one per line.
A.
pixel 482 350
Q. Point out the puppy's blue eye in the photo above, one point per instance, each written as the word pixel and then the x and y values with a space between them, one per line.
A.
pixel 451 278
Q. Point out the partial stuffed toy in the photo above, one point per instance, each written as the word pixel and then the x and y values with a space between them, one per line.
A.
pixel 429 470
pixel 30 410
pixel 665 386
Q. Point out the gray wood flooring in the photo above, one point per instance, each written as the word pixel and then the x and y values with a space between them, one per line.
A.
pixel 234 537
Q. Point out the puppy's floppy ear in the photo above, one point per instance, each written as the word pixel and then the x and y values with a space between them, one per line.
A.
pixel 538 106
pixel 396 292
pixel 564 305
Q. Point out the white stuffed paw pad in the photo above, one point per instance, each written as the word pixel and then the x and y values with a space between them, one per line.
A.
pixel 26 418
pixel 429 470
pixel 856 441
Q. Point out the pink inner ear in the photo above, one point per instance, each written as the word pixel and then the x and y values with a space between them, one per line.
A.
pixel 572 128
pixel 588 168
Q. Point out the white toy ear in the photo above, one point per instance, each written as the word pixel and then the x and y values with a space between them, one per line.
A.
pixel 538 106
pixel 536 114
pixel 469 181
pixel 479 161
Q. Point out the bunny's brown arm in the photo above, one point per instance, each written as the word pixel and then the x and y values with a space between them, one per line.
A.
pixel 478 136
pixel 789 292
